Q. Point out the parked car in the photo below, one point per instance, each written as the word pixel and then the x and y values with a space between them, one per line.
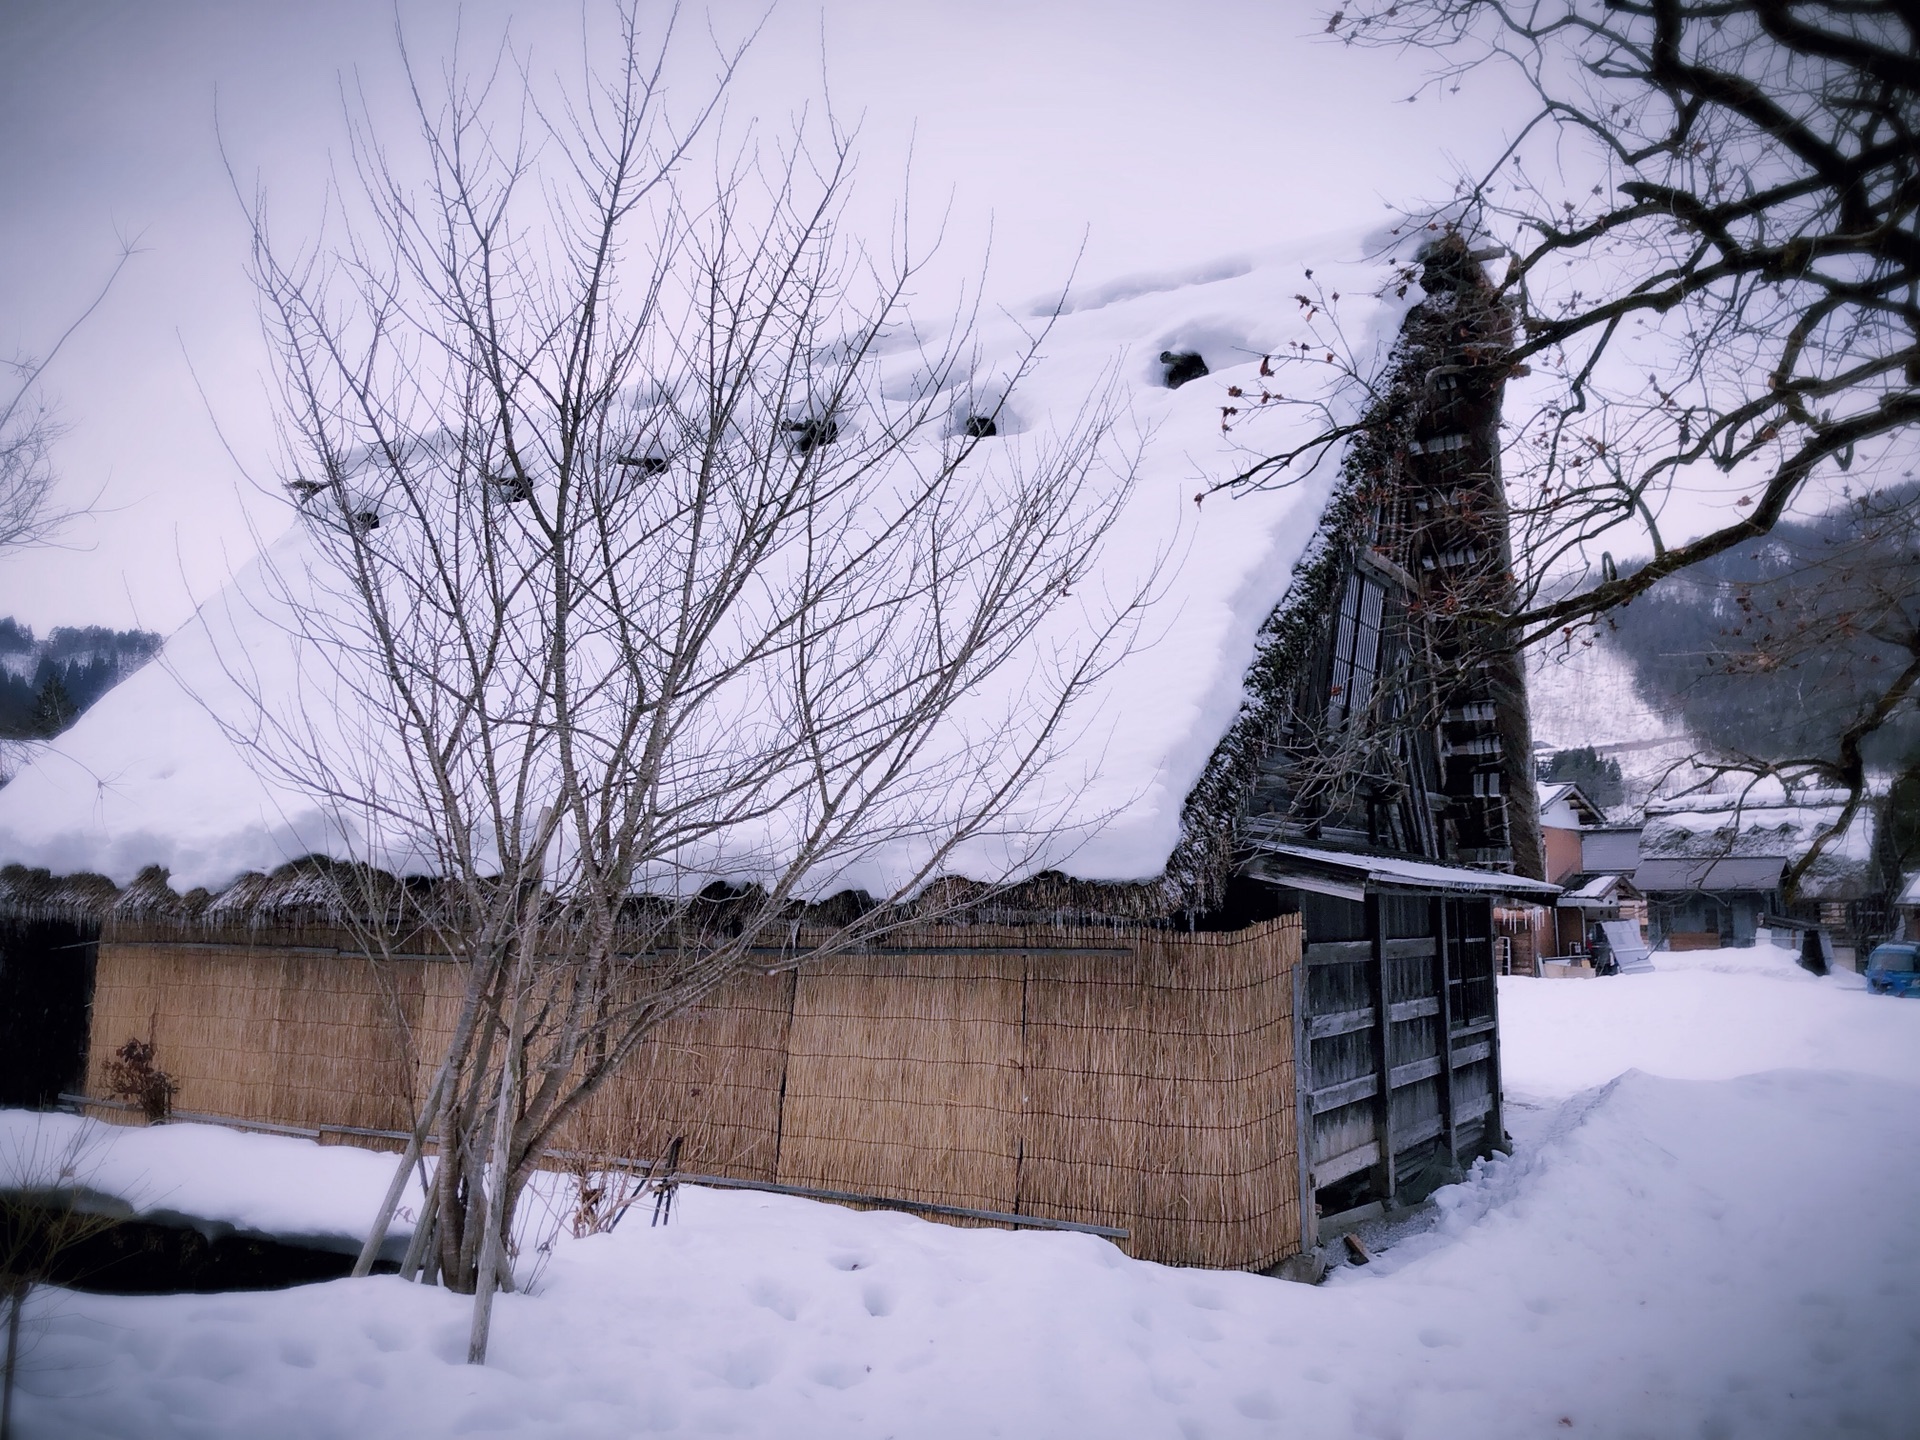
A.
pixel 1894 968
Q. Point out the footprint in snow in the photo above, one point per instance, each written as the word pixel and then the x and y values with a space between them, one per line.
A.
pixel 1256 1406
pixel 747 1369
pixel 769 1296
pixel 840 1376
pixel 878 1300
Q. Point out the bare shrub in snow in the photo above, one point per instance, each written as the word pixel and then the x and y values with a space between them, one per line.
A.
pixel 41 1219
pixel 653 595
pixel 133 1075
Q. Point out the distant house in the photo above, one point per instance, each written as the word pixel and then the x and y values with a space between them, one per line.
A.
pixel 1713 868
pixel 1610 849
pixel 1591 860
pixel 1584 905
pixel 1566 814
pixel 1260 996
pixel 1906 908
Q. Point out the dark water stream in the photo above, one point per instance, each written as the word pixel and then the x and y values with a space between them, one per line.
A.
pixel 86 1246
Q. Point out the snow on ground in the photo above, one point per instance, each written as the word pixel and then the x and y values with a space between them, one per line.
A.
pixel 1702 1015
pixel 1703 1232
pixel 318 1195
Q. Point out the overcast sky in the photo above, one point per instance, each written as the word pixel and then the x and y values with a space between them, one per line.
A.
pixel 1164 134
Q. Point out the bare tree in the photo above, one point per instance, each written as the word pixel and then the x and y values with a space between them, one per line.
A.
pixel 1800 657
pixel 42 1221
pixel 654 579
pixel 1709 224
pixel 30 513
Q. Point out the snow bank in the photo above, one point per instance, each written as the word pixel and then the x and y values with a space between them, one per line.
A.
pixel 148 776
pixel 1654 1268
pixel 322 1195
pixel 1717 1256
pixel 1702 1015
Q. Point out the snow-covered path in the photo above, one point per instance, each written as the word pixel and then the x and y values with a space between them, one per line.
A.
pixel 1715 1243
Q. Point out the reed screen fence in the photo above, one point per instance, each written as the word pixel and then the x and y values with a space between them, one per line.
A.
pixel 1134 1077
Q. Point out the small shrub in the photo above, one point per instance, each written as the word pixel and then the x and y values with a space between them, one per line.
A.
pixel 132 1075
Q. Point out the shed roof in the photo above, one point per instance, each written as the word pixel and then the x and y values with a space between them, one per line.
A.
pixel 1352 874
pixel 1757 827
pixel 1910 892
pixel 1605 889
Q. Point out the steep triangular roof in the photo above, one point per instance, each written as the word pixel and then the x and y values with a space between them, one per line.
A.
pixel 149 776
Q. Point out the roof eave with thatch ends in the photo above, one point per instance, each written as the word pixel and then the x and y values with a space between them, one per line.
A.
pixel 30 896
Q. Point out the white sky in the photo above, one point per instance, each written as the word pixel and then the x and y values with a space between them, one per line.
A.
pixel 1164 133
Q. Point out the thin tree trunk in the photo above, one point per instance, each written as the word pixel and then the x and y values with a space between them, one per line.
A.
pixel 422 1238
pixel 416 1142
pixel 18 1295
pixel 492 1245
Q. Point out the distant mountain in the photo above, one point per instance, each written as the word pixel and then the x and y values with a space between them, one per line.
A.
pixel 1774 648
pixel 45 684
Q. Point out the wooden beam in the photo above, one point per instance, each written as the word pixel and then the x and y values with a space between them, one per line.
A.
pixel 1416 948
pixel 1498 1119
pixel 1341 1022
pixel 1412 1073
pixel 1444 972
pixel 1362 1087
pixel 1339 1167
pixel 1470 1054
pixel 1303 1111
pixel 1383 1034
pixel 1340 952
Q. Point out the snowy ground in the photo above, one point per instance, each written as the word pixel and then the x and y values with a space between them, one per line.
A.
pixel 1705 1231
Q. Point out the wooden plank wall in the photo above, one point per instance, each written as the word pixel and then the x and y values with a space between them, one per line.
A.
pixel 1401 1081
pixel 1143 1079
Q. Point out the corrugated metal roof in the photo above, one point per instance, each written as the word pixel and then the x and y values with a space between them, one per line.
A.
pixel 1392 873
pixel 1727 873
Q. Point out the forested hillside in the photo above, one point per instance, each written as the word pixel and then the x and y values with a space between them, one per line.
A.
pixel 1775 650
pixel 45 684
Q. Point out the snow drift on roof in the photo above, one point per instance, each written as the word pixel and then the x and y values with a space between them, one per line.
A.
pixel 1714 829
pixel 148 776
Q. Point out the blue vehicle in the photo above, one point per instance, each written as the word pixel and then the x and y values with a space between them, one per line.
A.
pixel 1894 968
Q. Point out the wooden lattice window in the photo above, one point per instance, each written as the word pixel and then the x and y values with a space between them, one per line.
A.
pixel 1356 647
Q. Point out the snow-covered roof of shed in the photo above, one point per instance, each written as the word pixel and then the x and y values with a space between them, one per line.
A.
pixel 1910 892
pixel 148 776
pixel 1302 864
pixel 1595 890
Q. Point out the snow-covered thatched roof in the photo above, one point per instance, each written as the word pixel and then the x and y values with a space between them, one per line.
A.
pixel 150 777
pixel 1745 836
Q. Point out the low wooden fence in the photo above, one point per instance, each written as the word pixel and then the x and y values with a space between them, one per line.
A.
pixel 1140 1079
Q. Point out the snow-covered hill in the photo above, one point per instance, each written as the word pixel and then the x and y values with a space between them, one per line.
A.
pixel 1584 695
